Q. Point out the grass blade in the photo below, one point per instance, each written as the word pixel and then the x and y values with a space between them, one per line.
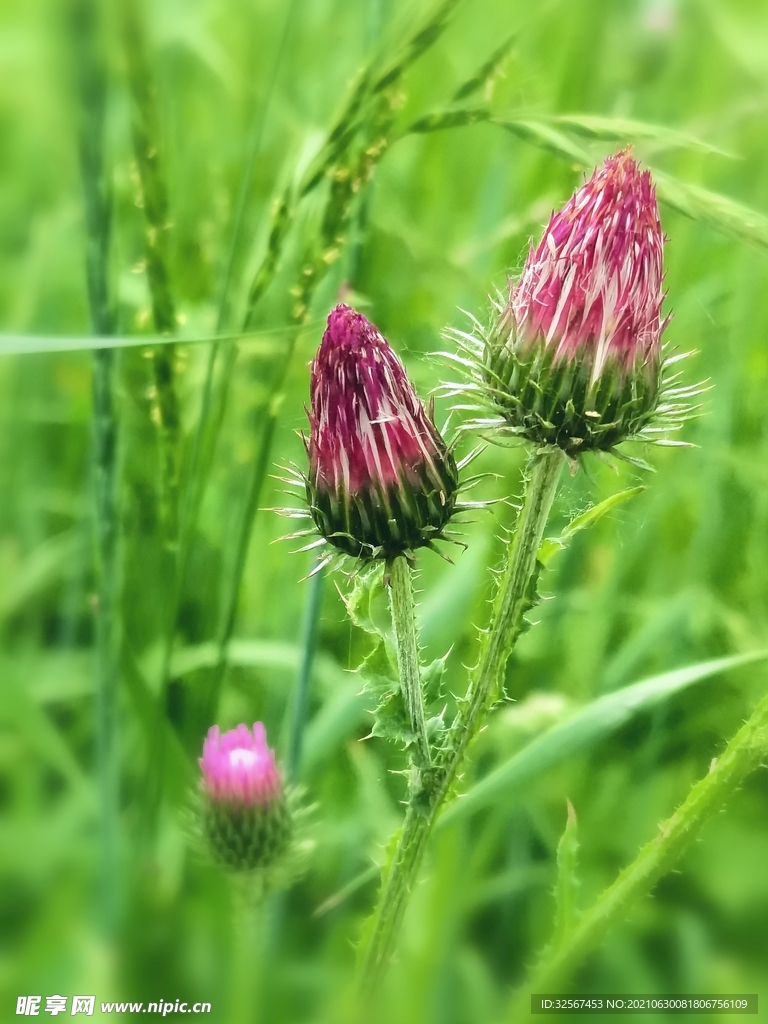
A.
pixel 582 731
pixel 713 209
pixel 32 344
pixel 544 136
pixel 552 545
pixel 627 131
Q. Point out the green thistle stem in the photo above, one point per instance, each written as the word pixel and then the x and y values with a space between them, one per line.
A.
pixel 745 752
pixel 510 605
pixel 384 925
pixel 403 610
pixel 250 926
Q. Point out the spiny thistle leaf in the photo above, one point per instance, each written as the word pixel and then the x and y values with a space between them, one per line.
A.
pixel 552 545
pixel 378 668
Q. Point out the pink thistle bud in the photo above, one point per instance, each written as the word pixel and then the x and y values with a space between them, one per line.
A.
pixel 575 359
pixel 239 767
pixel 595 279
pixel 381 479
pixel 246 820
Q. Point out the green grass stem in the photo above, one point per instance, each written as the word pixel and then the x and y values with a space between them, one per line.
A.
pixel 153 199
pixel 217 381
pixel 303 677
pixel 92 83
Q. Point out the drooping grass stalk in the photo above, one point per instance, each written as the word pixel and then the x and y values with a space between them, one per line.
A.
pixel 403 611
pixel 216 386
pixel 511 602
pixel 92 85
pixel 365 118
pixel 745 752
pixel 254 146
pixel 153 198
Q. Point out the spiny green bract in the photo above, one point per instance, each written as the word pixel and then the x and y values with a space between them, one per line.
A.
pixel 247 837
pixel 561 402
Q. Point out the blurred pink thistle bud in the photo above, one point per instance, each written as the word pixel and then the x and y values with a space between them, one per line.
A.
pixel 239 767
pixel 245 818
pixel 381 480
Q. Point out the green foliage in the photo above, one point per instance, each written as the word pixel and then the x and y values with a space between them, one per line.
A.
pixel 378 668
pixel 581 730
pixel 574 940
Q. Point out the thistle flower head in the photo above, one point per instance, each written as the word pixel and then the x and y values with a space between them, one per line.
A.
pixel 381 480
pixel 239 767
pixel 245 817
pixel 592 288
pixel 574 356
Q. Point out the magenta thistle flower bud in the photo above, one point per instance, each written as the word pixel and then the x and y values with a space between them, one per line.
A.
pixel 575 358
pixel 381 481
pixel 245 817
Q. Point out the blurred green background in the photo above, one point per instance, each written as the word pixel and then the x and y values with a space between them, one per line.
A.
pixel 230 105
